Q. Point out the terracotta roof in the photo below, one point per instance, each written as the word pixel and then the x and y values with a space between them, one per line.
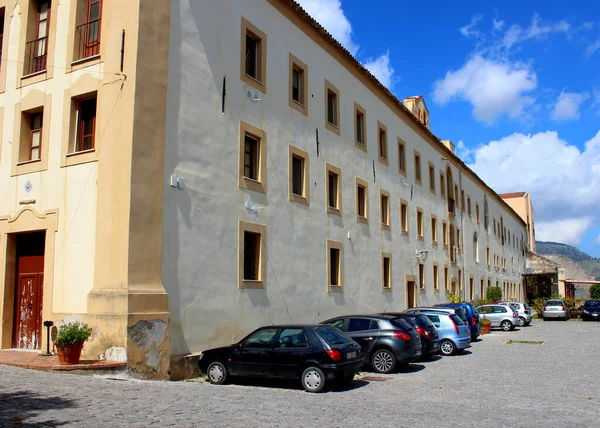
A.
pixel 337 45
pixel 513 195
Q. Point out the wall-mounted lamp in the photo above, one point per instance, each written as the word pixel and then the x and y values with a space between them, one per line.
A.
pixel 177 182
pixel 349 236
pixel 421 255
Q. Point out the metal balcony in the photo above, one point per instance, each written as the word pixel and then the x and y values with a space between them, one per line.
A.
pixel 87 40
pixel 36 55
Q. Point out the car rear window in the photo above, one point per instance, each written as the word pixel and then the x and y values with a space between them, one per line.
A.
pixel 333 336
pixel 410 320
pixel 456 320
pixel 592 303
pixel 554 303
pixel 423 321
pixel 401 324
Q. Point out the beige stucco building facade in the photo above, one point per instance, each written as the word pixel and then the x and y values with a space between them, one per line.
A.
pixel 181 174
pixel 521 203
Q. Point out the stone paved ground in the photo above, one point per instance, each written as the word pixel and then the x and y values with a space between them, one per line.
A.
pixel 551 385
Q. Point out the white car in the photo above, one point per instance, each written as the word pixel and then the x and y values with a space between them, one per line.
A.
pixel 555 308
pixel 501 316
pixel 523 310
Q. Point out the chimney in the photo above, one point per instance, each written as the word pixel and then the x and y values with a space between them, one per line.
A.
pixel 449 144
pixel 417 107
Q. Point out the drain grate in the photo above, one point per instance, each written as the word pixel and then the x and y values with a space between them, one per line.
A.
pixel 527 342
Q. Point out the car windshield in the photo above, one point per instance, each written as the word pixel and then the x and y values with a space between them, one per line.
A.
pixel 333 336
pixel 590 303
pixel 554 303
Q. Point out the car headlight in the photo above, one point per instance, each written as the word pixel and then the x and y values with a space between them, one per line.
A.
pixel 585 311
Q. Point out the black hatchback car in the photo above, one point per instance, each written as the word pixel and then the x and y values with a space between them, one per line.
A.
pixel 425 328
pixel 386 340
pixel 316 354
pixel 591 310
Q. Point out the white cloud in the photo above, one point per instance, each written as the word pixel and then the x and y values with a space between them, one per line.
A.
pixel 564 181
pixel 498 24
pixel 492 87
pixel 469 29
pixel 596 101
pixel 330 15
pixel 381 69
pixel 592 49
pixel 597 240
pixel 463 152
pixel 536 30
pixel 568 104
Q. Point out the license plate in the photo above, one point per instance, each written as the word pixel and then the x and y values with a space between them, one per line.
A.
pixel 351 355
pixel 594 315
pixel 553 309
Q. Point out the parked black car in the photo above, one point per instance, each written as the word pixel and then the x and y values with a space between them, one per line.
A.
pixel 423 325
pixel 316 354
pixel 591 310
pixel 386 340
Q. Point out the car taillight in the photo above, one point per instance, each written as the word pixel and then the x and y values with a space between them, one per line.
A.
pixel 422 331
pixel 334 354
pixel 455 326
pixel 514 314
pixel 473 321
pixel 564 308
pixel 401 335
pixel 545 307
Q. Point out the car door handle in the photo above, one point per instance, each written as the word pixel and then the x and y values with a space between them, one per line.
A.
pixel 368 338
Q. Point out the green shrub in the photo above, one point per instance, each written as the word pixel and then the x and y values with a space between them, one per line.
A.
pixel 69 334
pixel 538 305
pixel 453 298
pixel 494 294
pixel 595 291
pixel 573 304
pixel 479 302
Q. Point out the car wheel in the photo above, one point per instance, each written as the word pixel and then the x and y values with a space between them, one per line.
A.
pixel 506 325
pixel 216 373
pixel 383 361
pixel 313 379
pixel 447 347
pixel 528 323
pixel 522 322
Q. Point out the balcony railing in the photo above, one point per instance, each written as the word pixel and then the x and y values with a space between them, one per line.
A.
pixel 87 40
pixel 451 205
pixel 36 55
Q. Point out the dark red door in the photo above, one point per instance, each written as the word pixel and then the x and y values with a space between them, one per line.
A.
pixel 29 292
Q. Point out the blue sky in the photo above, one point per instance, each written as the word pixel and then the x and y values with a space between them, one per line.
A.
pixel 515 85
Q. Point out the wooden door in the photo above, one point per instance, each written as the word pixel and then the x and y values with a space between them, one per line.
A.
pixel 410 294
pixel 27 325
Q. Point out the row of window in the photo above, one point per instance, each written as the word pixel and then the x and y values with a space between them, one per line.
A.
pixel 254 43
pixel 252 264
pixel 83 138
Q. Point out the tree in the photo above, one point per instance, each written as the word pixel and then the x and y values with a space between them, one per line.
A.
pixel 494 294
pixel 595 291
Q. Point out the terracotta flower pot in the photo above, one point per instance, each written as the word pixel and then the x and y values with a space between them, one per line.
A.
pixel 69 354
pixel 485 327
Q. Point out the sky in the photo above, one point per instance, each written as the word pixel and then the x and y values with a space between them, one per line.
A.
pixel 515 85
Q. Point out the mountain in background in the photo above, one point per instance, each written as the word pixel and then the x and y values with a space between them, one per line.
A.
pixel 579 265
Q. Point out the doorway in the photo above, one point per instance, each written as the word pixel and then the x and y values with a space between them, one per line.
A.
pixel 29 286
pixel 410 295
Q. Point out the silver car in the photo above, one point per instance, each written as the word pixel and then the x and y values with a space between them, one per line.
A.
pixel 502 316
pixel 523 311
pixel 555 308
pixel 453 333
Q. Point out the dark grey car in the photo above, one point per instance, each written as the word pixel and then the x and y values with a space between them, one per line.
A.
pixel 387 341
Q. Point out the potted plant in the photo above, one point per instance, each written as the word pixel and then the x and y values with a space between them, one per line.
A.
pixel 485 324
pixel 69 341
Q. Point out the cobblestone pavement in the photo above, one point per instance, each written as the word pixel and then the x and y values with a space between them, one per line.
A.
pixel 493 385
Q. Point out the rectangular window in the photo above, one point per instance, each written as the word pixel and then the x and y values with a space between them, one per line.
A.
pixel 386 271
pixel 420 225
pixel 384 209
pixel 383 143
pixel 417 167
pixel 469 206
pixel 446 277
pixel 298 175
pixel 298 85
pixel 334 266
pixel 436 280
pixel 442 186
pixel 460 284
pixel 87 35
pixel 456 197
pixel 458 239
pixel 444 233
pixel 401 157
pixel 86 125
pixel 30 148
pixel 332 112
pixel 462 200
pixel 434 234
pixel 362 201
pixel 36 49
pixel 2 13
pixel 252 262
pixel 422 277
pixel 253 159
pixel 477 212
pixel 404 216
pixel 254 53
pixel 360 124
pixel 432 178
pixel 487 256
pixel 334 194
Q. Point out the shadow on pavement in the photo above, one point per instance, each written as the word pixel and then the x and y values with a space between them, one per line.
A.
pixel 17 407
pixel 331 386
